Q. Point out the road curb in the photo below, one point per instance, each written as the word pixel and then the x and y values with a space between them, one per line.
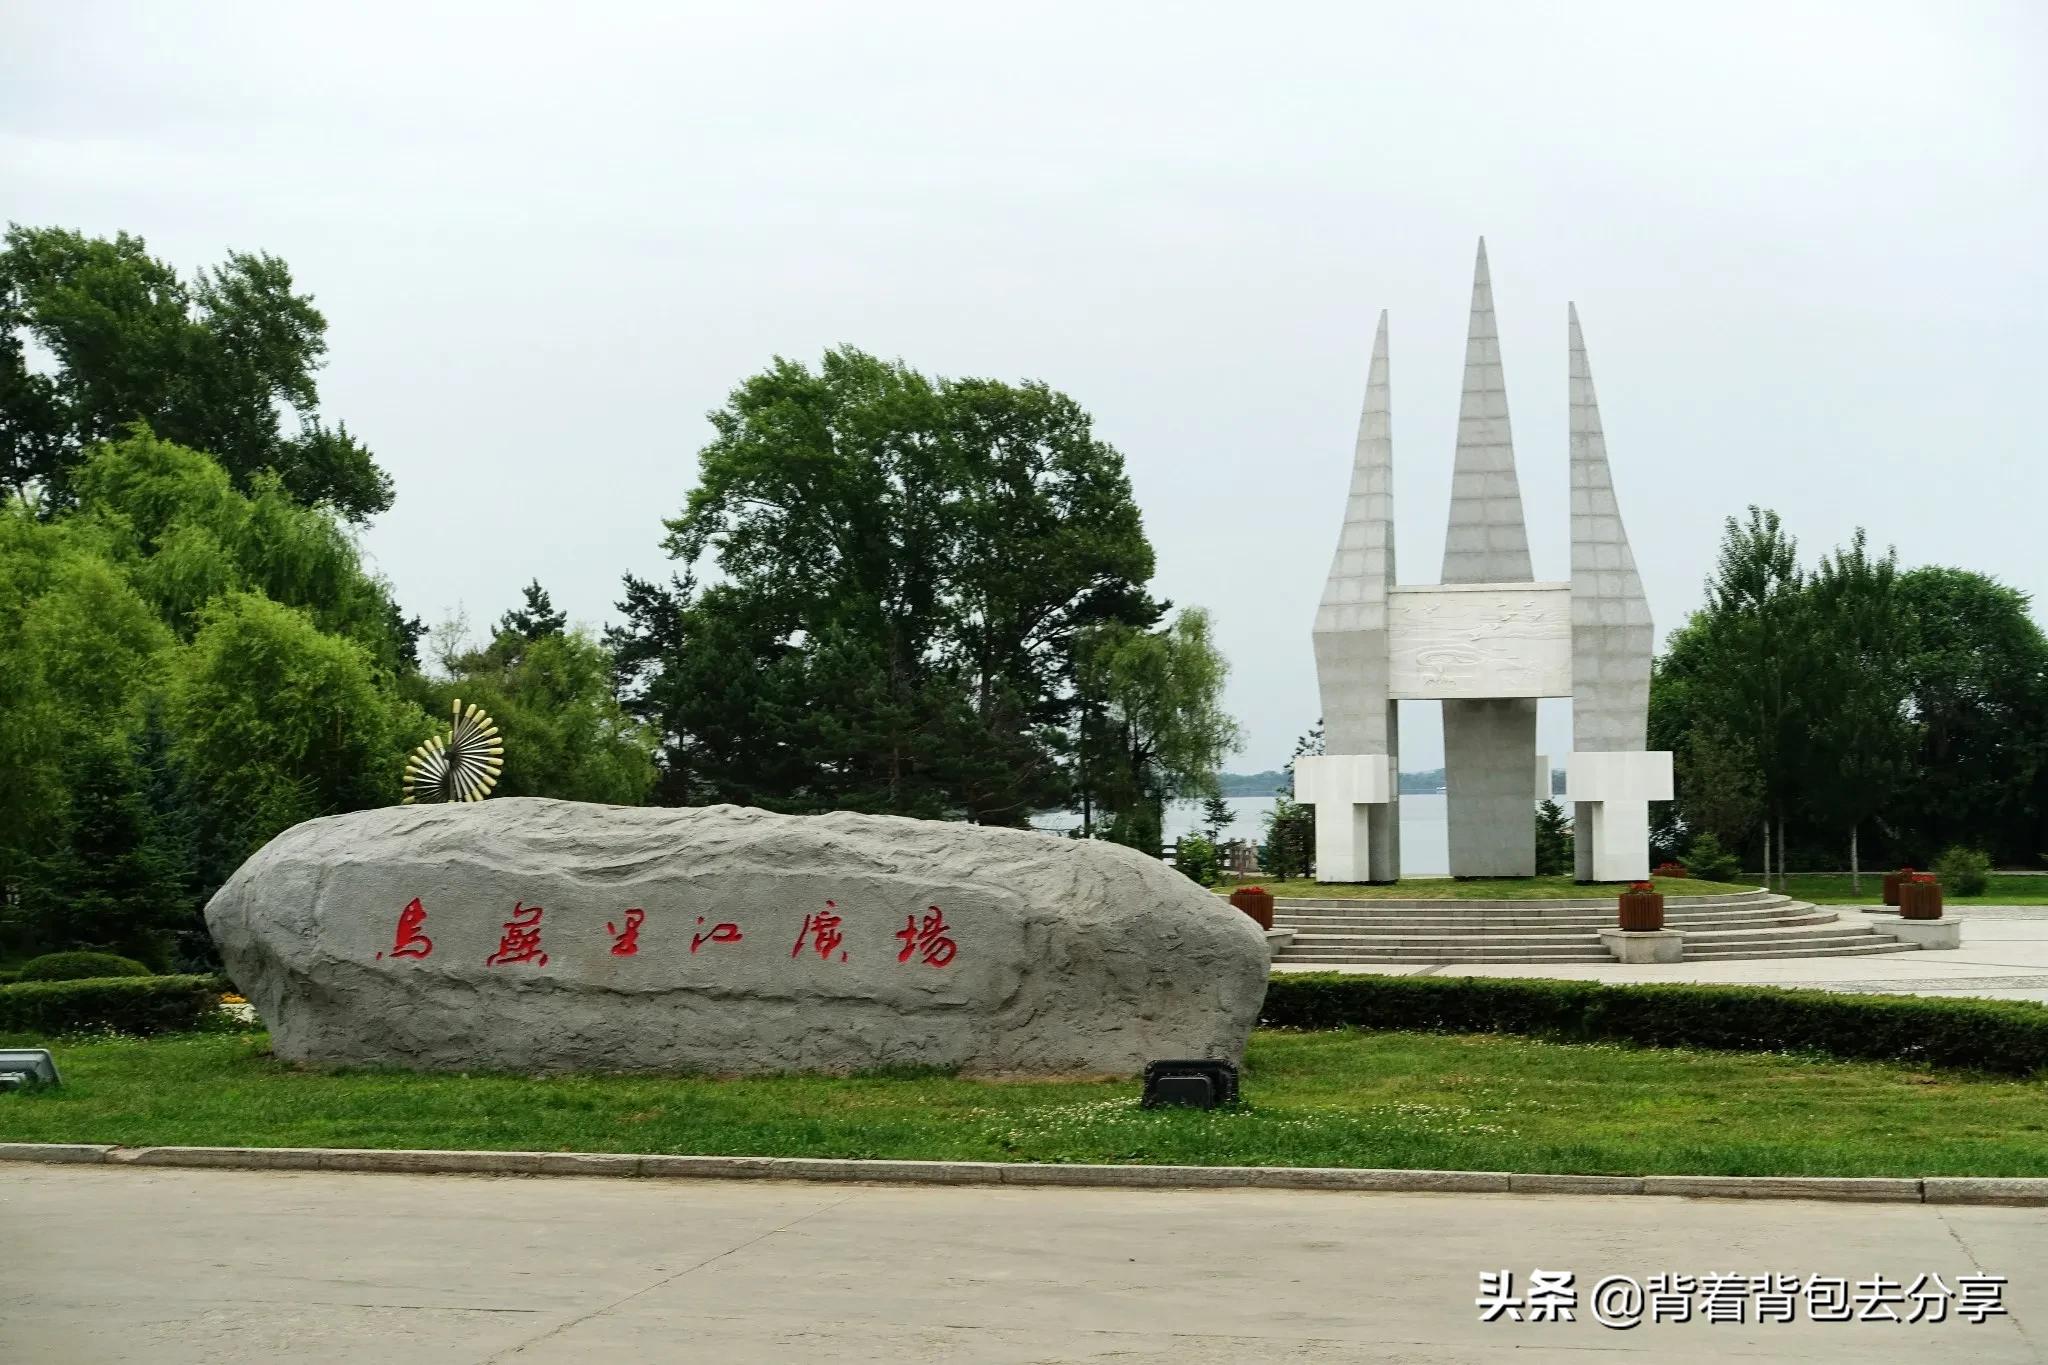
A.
pixel 1926 1189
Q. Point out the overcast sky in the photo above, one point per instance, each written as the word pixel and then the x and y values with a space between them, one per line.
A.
pixel 1806 243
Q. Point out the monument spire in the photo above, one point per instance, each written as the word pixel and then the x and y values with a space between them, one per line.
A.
pixel 1489 744
pixel 1610 779
pixel 1360 736
pixel 1487 541
pixel 1363 568
pixel 1611 628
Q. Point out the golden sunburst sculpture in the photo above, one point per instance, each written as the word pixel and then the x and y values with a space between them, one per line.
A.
pixel 464 768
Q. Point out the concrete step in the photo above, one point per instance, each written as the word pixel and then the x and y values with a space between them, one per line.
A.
pixel 1426 955
pixel 1471 915
pixel 1834 924
pixel 1727 953
pixel 1771 945
pixel 1332 923
pixel 1355 941
pixel 1566 904
pixel 1777 928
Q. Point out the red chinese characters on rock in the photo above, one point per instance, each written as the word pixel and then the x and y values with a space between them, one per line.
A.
pixel 718 933
pixel 821 932
pixel 522 939
pixel 409 941
pixel 928 940
pixel 626 941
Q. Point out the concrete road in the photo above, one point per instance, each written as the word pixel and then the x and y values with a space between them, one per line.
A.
pixel 165 1266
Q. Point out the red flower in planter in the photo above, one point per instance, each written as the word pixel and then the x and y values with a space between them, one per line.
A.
pixel 1255 890
pixel 1642 886
pixel 1923 878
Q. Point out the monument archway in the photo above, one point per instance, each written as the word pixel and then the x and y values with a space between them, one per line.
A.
pixel 1488 641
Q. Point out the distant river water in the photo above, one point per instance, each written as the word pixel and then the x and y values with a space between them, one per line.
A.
pixel 1425 841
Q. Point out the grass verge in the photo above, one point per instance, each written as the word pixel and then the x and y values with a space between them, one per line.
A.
pixel 1828 888
pixel 1333 1098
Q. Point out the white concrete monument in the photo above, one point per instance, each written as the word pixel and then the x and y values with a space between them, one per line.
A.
pixel 1487 642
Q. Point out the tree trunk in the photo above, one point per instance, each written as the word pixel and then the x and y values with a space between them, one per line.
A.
pixel 1783 883
pixel 1081 762
pixel 1767 853
pixel 1855 866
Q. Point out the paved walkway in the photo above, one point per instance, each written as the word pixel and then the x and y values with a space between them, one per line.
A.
pixel 2004 956
pixel 166 1267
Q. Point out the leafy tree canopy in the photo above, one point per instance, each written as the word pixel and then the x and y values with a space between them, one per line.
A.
pixel 188 669
pixel 904 566
pixel 1856 699
pixel 212 363
pixel 551 692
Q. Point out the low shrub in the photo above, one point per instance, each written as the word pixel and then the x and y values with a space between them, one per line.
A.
pixel 79 967
pixel 124 1004
pixel 1963 871
pixel 9 976
pixel 1198 859
pixel 1710 862
pixel 1986 1035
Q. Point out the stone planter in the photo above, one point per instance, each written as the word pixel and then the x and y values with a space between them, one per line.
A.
pixel 1891 885
pixel 1642 912
pixel 1920 899
pixel 1256 902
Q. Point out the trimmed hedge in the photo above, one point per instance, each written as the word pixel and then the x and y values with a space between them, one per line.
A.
pixel 1985 1035
pixel 79 967
pixel 125 1004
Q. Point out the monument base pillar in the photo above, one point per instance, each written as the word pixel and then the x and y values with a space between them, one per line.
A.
pixel 1351 795
pixel 1489 753
pixel 1612 792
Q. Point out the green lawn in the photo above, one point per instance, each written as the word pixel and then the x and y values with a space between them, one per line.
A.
pixel 1490 888
pixel 1833 889
pixel 1312 1099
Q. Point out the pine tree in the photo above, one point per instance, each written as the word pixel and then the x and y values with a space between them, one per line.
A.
pixel 537 619
pixel 1216 817
pixel 1553 840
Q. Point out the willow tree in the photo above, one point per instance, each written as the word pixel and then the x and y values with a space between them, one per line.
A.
pixel 1163 730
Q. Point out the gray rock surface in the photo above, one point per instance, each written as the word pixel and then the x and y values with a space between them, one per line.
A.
pixel 1046 956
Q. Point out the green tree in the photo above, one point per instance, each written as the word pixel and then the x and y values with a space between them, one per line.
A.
pixel 904 566
pixel 275 722
pixel 1291 827
pixel 1216 816
pixel 1977 687
pixel 117 878
pixel 1860 738
pixel 210 363
pixel 535 618
pixel 1860 698
pixel 1164 732
pixel 1290 849
pixel 1195 858
pixel 1553 840
pixel 551 691
pixel 172 519
pixel 1756 659
pixel 87 844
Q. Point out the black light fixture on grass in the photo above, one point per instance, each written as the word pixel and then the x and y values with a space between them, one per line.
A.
pixel 24 1066
pixel 1199 1082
